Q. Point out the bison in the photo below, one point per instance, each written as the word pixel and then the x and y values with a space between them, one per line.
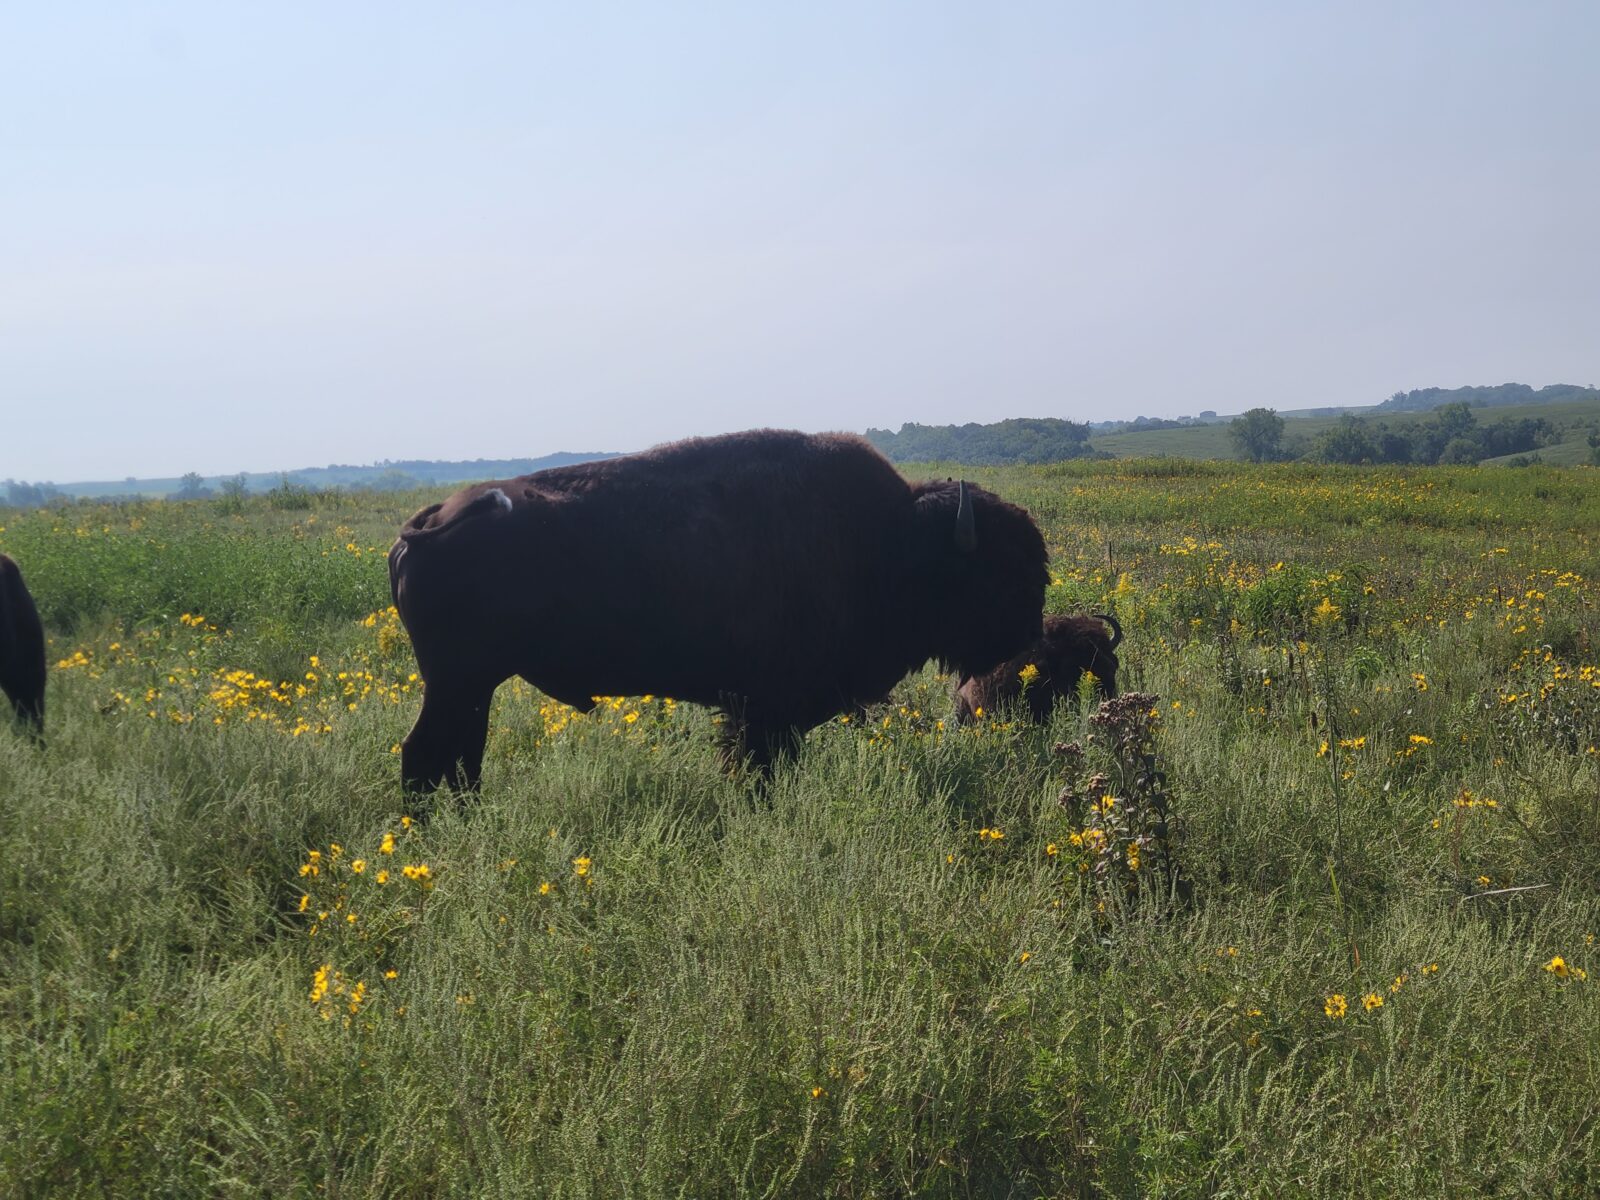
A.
pixel 1070 646
pixel 781 577
pixel 21 650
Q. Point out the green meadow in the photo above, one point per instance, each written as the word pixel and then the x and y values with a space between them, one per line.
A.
pixel 1312 914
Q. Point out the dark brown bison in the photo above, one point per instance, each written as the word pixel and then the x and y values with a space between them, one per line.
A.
pixel 1070 646
pixel 21 649
pixel 783 577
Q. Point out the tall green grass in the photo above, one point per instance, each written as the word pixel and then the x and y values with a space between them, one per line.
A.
pixel 836 985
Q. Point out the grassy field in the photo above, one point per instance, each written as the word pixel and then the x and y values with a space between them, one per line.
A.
pixel 1314 917
pixel 1572 452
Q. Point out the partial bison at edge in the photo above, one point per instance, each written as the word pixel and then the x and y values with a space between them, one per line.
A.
pixel 782 577
pixel 21 649
pixel 1070 646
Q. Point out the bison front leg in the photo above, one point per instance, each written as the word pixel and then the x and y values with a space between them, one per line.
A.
pixel 753 739
pixel 445 746
pixel 772 741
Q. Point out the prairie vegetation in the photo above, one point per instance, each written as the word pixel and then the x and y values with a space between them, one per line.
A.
pixel 1316 916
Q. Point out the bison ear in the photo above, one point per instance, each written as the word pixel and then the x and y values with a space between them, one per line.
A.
pixel 966 525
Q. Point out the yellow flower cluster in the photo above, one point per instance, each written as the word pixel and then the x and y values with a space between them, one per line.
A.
pixel 352 917
pixel 1558 967
pixel 328 983
pixel 420 872
pixel 230 695
pixel 1336 1006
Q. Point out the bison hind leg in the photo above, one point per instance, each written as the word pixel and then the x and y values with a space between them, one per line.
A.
pixel 27 705
pixel 31 713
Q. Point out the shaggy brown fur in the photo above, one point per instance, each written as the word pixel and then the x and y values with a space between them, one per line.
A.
pixel 1070 646
pixel 782 577
pixel 21 649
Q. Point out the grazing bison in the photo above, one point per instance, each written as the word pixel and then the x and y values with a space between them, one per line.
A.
pixel 21 649
pixel 783 577
pixel 1070 646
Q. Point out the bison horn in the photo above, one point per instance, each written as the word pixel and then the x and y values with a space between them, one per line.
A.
pixel 966 525
pixel 1116 630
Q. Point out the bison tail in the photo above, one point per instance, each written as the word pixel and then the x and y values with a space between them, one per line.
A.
pixel 396 553
pixel 10 608
pixel 418 528
pixel 1116 629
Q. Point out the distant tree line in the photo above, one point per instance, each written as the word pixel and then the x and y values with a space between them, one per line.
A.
pixel 1019 440
pixel 1450 434
pixel 22 494
pixel 385 476
pixel 1428 399
pixel 1141 424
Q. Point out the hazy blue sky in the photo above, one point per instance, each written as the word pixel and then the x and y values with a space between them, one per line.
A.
pixel 248 237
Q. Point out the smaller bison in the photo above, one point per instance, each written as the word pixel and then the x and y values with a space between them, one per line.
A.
pixel 21 649
pixel 1070 646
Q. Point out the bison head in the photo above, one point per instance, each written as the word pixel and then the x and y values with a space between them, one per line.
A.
pixel 980 565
